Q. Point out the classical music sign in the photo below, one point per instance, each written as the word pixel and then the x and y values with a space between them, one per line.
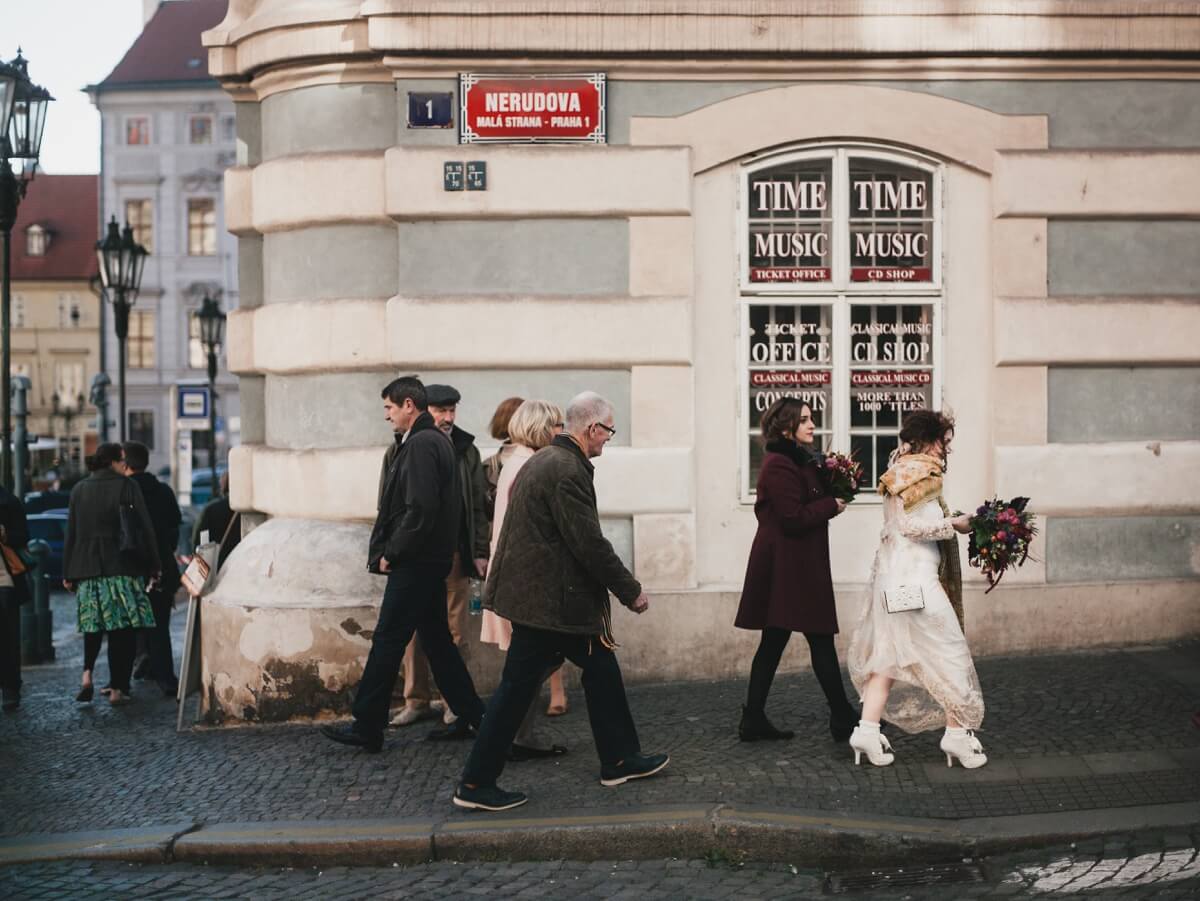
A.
pixel 531 109
pixel 793 227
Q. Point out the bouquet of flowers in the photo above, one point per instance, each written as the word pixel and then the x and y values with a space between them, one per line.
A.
pixel 845 476
pixel 1001 532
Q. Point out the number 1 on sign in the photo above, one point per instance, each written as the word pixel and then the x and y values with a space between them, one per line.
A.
pixel 429 109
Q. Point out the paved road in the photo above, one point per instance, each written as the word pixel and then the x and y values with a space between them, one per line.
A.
pixel 1070 732
pixel 1158 866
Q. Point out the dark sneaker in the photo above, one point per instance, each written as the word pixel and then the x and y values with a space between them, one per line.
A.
pixel 459 730
pixel 635 766
pixel 348 735
pixel 487 797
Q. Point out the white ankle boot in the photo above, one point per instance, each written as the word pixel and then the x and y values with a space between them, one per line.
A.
pixel 872 743
pixel 965 746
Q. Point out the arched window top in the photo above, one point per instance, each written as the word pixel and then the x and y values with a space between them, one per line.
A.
pixel 37 240
pixel 847 217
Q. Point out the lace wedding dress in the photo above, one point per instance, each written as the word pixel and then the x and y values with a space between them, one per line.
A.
pixel 924 651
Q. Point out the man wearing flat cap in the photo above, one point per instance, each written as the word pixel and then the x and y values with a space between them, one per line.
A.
pixel 470 560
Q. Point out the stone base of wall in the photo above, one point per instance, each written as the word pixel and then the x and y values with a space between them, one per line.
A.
pixel 287 630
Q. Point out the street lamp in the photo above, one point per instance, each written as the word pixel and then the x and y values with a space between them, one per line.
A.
pixel 122 261
pixel 22 120
pixel 212 330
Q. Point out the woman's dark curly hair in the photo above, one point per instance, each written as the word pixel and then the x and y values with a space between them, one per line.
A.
pixel 922 428
pixel 782 416
pixel 104 457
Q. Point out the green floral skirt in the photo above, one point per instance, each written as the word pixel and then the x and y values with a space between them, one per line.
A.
pixel 113 602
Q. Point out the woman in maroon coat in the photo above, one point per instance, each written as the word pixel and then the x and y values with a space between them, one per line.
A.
pixel 788 585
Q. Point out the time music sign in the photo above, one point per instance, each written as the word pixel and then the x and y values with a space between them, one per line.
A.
pixel 532 109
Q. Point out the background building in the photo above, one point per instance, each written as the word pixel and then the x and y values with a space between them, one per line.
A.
pixel 991 208
pixel 55 318
pixel 167 137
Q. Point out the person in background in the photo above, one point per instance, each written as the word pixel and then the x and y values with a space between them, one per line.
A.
pixel 470 561
pixel 109 582
pixel 534 425
pixel 164 513
pixel 220 521
pixel 14 591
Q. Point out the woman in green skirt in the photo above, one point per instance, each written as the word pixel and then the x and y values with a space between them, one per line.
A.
pixel 107 563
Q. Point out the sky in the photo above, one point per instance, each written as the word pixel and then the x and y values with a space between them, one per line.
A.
pixel 69 44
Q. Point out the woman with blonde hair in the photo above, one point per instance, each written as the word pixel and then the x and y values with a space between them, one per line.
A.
pixel 908 658
pixel 533 426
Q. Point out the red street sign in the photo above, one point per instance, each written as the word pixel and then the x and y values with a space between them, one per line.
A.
pixel 891 274
pixel 775 378
pixel 531 109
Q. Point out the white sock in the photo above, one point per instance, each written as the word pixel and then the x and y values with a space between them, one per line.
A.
pixel 868 726
pixel 955 731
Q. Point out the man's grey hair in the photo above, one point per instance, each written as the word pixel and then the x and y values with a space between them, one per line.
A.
pixel 584 409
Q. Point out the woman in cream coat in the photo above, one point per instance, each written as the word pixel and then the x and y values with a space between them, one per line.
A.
pixel 914 667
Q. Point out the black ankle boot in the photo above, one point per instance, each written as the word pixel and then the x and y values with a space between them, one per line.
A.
pixel 756 727
pixel 842 724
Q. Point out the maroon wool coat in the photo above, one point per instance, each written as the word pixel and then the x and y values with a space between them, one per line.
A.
pixel 788 582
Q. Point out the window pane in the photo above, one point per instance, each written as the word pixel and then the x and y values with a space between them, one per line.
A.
pixel 141 427
pixel 137 130
pixel 202 227
pixel 140 216
pixel 200 130
pixel 790 236
pixel 891 222
pixel 140 343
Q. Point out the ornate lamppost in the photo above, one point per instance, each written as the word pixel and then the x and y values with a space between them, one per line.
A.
pixel 212 331
pixel 22 120
pixel 122 261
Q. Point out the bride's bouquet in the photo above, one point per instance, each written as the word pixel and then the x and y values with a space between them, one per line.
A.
pixel 845 475
pixel 1001 532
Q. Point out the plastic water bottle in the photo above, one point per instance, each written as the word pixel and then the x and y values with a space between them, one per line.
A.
pixel 475 603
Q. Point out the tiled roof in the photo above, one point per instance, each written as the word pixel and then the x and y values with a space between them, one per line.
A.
pixel 67 206
pixel 169 50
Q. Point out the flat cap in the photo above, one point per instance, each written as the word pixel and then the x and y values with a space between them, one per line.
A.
pixel 441 395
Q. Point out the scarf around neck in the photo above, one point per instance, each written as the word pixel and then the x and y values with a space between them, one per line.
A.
pixel 914 478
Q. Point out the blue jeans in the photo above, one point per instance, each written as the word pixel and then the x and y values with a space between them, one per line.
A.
pixel 532 653
pixel 414 602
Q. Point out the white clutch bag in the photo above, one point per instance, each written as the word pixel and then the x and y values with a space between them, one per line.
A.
pixel 903 598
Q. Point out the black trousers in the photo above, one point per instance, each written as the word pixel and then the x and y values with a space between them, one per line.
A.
pixel 158 638
pixel 414 602
pixel 531 653
pixel 10 646
pixel 824 663
pixel 122 648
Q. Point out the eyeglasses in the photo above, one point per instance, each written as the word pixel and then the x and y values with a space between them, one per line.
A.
pixel 611 431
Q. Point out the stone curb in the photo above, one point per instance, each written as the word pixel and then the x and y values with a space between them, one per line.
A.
pixel 816 839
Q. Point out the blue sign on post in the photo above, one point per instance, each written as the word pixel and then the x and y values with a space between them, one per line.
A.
pixel 193 402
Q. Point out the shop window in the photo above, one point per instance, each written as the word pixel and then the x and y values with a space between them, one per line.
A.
pixel 841 296
pixel 140 343
pixel 200 129
pixel 137 130
pixel 201 227
pixel 141 427
pixel 139 213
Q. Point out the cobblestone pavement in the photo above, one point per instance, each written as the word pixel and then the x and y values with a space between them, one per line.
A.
pixel 1067 732
pixel 1159 866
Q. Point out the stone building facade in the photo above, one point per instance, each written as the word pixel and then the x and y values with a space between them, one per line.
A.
pixel 985 205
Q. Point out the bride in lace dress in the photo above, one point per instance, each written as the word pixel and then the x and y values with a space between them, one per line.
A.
pixel 914 667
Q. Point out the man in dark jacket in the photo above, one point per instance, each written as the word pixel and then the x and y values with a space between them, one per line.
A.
pixel 470 560
pixel 165 517
pixel 550 578
pixel 412 543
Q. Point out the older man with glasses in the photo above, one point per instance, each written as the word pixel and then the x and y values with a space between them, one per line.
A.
pixel 550 577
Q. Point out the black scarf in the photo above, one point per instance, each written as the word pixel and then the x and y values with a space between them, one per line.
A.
pixel 802 455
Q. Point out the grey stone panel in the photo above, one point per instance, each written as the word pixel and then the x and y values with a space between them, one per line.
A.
pixel 1089 404
pixel 1135 114
pixel 329 261
pixel 344 409
pixel 527 256
pixel 251 390
pixel 250 271
pixel 619 531
pixel 427 137
pixel 329 117
pixel 1122 548
pixel 248 121
pixel 1123 258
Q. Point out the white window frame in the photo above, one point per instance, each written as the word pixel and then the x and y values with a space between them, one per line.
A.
pixel 839 292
